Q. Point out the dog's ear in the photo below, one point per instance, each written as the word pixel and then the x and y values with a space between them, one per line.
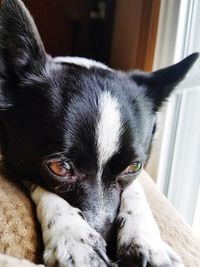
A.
pixel 21 49
pixel 159 84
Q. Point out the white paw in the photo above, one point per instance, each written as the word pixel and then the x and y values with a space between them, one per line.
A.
pixel 72 242
pixel 68 239
pixel 74 253
pixel 140 244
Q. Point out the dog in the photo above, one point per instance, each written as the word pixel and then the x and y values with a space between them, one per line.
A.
pixel 79 133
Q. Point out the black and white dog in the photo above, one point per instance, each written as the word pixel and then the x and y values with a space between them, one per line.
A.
pixel 81 132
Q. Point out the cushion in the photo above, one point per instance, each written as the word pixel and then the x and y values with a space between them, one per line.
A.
pixel 20 233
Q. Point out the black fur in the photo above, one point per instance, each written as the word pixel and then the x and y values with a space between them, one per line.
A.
pixel 48 108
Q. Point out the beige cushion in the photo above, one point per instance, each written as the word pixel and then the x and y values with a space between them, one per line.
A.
pixel 20 234
pixel 174 229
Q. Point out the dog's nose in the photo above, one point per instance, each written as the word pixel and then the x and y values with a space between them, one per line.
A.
pixel 100 212
pixel 100 219
pixel 100 207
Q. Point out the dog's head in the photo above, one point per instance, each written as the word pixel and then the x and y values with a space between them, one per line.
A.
pixel 75 126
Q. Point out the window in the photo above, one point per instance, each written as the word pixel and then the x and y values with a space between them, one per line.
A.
pixel 178 162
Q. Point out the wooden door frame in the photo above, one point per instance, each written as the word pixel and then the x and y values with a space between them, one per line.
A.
pixel 134 34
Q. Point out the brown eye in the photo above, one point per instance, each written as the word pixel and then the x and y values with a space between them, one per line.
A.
pixel 59 168
pixel 134 168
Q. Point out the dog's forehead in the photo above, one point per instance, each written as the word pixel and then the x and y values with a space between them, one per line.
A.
pixel 103 131
pixel 93 126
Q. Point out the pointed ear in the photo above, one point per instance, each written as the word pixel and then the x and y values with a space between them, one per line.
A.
pixel 159 84
pixel 19 38
pixel 21 49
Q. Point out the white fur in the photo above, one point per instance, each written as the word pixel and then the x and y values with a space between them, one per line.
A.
pixel 108 128
pixel 107 138
pixel 68 238
pixel 84 62
pixel 140 233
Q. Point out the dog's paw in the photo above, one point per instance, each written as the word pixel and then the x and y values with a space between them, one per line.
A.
pixel 70 241
pixel 138 246
pixel 139 253
pixel 68 252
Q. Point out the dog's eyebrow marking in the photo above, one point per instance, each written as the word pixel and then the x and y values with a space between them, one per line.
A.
pixel 108 128
pixel 84 62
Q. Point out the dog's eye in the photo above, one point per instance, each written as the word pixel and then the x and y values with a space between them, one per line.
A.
pixel 60 167
pixel 134 168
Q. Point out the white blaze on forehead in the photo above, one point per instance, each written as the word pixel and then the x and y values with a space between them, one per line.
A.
pixel 81 61
pixel 108 128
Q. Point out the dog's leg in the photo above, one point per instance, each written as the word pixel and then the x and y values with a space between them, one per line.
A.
pixel 68 238
pixel 139 238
